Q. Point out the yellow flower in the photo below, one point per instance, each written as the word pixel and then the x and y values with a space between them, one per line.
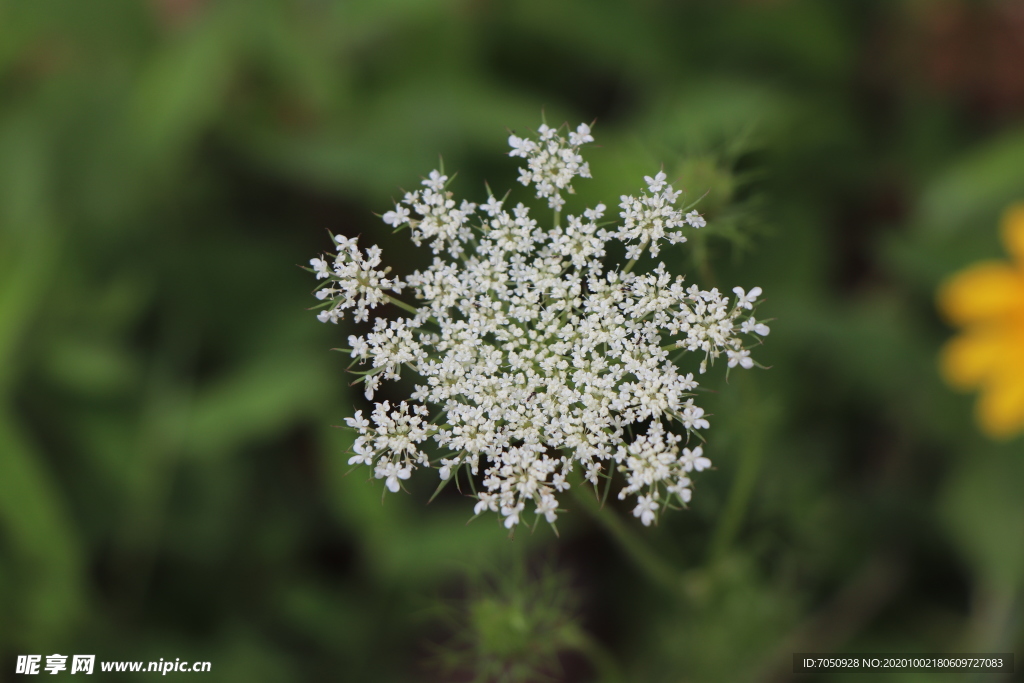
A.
pixel 987 301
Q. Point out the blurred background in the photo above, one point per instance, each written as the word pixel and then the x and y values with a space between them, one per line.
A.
pixel 171 482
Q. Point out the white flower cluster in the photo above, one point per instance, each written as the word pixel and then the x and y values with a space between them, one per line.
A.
pixel 553 162
pixel 436 217
pixel 353 281
pixel 533 359
pixel 651 217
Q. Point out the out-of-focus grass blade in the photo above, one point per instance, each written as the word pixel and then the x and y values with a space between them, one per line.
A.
pixel 975 188
pixel 256 402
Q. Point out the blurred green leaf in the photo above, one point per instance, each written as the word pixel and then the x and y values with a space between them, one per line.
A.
pixel 256 403
pixel 984 511
pixel 182 87
pixel 41 547
pixel 970 193
pixel 90 367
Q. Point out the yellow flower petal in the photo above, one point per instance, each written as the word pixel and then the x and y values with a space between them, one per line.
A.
pixel 969 358
pixel 1000 408
pixel 986 291
pixel 988 300
pixel 1013 231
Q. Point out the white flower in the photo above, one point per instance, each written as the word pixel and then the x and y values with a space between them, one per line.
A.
pixel 746 300
pixel 694 460
pixel 391 473
pixel 693 417
pixel 581 136
pixel 695 220
pixel 363 452
pixel 485 501
pixel 492 206
pixel 750 325
pixel 681 489
pixel 321 268
pixel 531 357
pixel 328 316
pixel 511 514
pixel 445 471
pixel 657 182
pixel 547 506
pixel 360 349
pixel 371 382
pixel 645 507
pixel 398 217
pixel 741 358
pixel 596 213
pixel 521 147
pixel 435 181
pixel 357 421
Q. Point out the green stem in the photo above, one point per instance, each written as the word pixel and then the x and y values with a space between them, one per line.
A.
pixel 656 568
pixel 751 450
pixel 401 304
pixel 701 260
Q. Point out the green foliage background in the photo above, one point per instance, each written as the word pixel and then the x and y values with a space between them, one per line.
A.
pixel 171 485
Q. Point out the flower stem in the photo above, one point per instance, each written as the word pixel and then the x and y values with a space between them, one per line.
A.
pixel 751 450
pixel 655 567
pixel 401 304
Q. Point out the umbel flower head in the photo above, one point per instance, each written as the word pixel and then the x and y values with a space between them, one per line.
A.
pixel 987 301
pixel 534 359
